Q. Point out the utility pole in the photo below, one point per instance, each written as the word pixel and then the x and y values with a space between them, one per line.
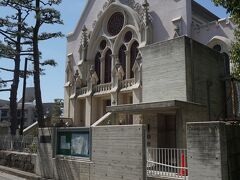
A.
pixel 23 97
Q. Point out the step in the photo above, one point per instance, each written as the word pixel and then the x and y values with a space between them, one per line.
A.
pixel 19 173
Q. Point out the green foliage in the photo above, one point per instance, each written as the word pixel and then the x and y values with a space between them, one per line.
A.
pixel 233 7
pixel 49 62
pixel 20 33
pixel 58 107
pixel 46 36
pixel 7 51
pixel 2 83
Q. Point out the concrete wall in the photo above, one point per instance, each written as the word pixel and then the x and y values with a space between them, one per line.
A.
pixel 207 151
pixel 204 77
pixel 17 160
pixel 183 69
pixel 118 152
pixel 164 74
pixel 233 142
pixel 188 113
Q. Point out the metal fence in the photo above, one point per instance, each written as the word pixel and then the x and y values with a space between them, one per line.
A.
pixel 19 143
pixel 165 162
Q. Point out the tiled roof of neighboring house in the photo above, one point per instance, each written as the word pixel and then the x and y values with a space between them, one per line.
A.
pixel 3 102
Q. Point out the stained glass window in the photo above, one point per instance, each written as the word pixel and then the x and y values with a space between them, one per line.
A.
pixel 115 23
pixel 98 65
pixel 134 53
pixel 122 58
pixel 128 36
pixel 103 44
pixel 108 66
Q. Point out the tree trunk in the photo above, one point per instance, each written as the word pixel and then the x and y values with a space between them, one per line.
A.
pixel 14 86
pixel 36 58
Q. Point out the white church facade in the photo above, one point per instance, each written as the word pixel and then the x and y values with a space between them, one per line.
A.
pixel 156 62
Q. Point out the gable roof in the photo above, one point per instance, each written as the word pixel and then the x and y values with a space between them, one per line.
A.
pixel 80 22
pixel 203 13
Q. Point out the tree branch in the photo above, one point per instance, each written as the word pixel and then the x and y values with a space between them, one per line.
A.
pixel 5 69
pixel 7 57
pixel 2 90
pixel 5 81
pixel 3 33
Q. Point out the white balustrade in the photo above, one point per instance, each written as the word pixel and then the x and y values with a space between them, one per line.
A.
pixel 127 83
pixel 83 91
pixel 102 87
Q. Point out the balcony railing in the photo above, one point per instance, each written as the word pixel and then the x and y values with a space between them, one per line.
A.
pixel 102 87
pixel 127 83
pixel 82 91
pixel 166 162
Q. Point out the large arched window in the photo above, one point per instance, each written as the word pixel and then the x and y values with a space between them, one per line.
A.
pixel 134 52
pixel 108 66
pixel 98 65
pixel 122 58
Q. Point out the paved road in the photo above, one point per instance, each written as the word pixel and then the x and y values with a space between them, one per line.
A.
pixel 4 176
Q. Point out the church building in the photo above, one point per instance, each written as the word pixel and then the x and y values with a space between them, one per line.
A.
pixel 161 63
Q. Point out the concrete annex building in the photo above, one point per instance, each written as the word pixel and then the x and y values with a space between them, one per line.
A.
pixel 158 62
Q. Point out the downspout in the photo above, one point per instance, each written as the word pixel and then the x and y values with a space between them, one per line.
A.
pixel 192 71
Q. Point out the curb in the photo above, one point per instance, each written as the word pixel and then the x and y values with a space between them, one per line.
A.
pixel 19 173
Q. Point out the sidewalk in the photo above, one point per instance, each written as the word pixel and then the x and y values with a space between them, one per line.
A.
pixel 19 173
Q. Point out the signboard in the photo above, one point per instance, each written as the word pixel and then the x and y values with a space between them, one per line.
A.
pixel 73 143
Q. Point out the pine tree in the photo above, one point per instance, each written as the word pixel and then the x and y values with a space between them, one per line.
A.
pixel 44 14
pixel 23 40
pixel 13 29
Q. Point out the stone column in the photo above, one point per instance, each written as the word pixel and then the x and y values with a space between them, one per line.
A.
pixel 114 79
pixel 88 111
pixel 76 116
pixel 128 63
pixel 137 98
pixel 45 166
pixel 102 70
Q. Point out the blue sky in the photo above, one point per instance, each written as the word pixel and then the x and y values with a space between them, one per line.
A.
pixel 52 83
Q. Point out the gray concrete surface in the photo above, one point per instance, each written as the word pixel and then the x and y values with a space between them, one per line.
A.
pixel 4 176
pixel 118 152
pixel 11 172
pixel 207 151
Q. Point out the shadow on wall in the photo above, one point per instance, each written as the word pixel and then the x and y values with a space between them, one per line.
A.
pixel 159 30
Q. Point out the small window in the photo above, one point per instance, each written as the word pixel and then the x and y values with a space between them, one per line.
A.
pixel 217 48
pixel 128 36
pixel 103 44
pixel 4 113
